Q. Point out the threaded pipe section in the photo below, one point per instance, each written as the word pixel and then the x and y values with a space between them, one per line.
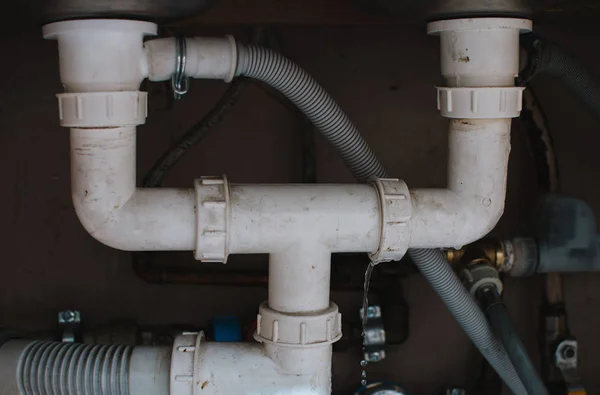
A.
pixel 50 368
pixel 301 89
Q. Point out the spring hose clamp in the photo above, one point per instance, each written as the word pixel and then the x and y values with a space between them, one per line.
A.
pixel 179 81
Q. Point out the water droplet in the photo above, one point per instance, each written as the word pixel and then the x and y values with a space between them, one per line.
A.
pixel 365 309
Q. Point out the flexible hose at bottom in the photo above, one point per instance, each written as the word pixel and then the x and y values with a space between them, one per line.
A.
pixel 434 267
pixel 66 368
pixel 503 328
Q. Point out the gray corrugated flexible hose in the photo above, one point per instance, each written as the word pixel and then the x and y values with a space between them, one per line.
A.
pixel 434 267
pixel 51 368
pixel 293 82
pixel 301 89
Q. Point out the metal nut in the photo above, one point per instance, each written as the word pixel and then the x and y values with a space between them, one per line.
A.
pixel 67 316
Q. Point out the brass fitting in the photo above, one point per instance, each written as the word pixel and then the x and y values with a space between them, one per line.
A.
pixel 493 251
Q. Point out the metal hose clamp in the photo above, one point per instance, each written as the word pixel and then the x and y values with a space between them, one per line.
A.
pixel 179 82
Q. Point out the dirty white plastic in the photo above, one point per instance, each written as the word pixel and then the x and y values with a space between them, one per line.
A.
pixel 102 109
pixel 204 368
pixel 206 57
pixel 149 370
pixel 112 209
pixel 480 52
pixel 212 211
pixel 271 218
pixel 300 226
pixel 298 330
pixel 396 210
pixel 186 354
pixel 480 103
pixel 300 270
pixel 101 55
pixel 474 201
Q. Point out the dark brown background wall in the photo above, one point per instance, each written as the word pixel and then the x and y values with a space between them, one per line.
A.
pixel 383 76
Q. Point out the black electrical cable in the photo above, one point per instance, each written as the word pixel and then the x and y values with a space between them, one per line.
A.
pixel 196 134
pixel 497 314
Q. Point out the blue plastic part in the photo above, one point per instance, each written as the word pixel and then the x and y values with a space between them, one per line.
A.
pixel 227 329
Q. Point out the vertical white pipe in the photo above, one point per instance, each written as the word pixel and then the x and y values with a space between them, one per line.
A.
pixel 478 160
pixel 103 168
pixel 299 278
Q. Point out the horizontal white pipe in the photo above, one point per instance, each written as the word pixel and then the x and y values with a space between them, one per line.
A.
pixel 149 370
pixel 206 57
pixel 110 207
pixel 271 218
pixel 245 368
pixel 274 218
pixel 474 201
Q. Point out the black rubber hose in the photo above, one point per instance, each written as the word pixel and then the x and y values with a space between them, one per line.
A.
pixel 550 59
pixel 500 321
